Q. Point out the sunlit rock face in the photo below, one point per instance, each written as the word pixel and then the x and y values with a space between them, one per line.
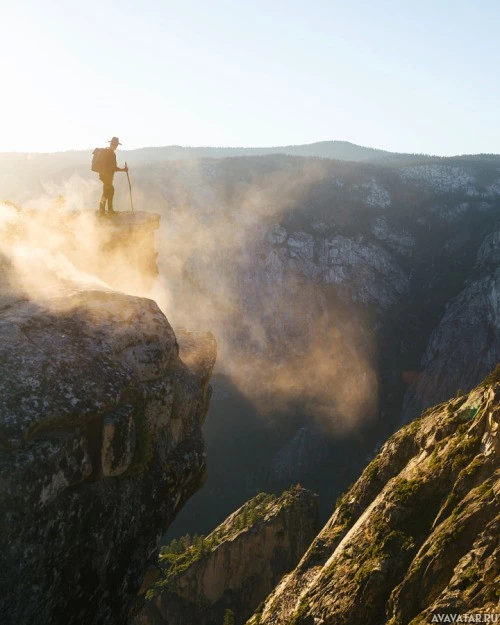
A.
pixel 361 270
pixel 100 446
pixel 416 535
pixel 237 565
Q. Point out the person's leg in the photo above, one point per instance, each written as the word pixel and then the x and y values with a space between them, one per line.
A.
pixel 102 203
pixel 108 191
pixel 111 194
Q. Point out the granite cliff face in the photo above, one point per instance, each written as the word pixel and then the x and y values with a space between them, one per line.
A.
pixel 396 262
pixel 417 534
pixel 236 566
pixel 100 446
pixel 465 344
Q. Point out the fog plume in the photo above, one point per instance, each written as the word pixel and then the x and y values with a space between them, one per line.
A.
pixel 284 338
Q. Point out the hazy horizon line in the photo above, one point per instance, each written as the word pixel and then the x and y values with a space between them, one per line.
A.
pixel 252 147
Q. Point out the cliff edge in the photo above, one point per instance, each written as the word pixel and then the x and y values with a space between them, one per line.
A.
pixel 100 446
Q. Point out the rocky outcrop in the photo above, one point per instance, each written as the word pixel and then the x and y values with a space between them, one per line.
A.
pixel 417 535
pixel 361 270
pixel 462 349
pixel 236 566
pixel 465 345
pixel 100 446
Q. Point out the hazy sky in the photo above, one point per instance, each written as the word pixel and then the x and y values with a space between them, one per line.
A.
pixel 417 76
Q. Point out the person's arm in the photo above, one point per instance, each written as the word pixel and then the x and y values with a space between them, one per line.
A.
pixel 116 166
pixel 120 168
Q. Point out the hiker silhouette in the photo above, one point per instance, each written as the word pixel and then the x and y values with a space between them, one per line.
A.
pixel 104 163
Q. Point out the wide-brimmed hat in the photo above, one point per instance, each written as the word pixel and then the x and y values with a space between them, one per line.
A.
pixel 115 140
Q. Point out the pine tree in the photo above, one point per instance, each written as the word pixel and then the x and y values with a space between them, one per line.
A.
pixel 198 542
pixel 174 546
pixel 253 516
pixel 244 517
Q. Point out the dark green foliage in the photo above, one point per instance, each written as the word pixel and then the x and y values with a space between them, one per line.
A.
pixel 448 536
pixel 254 511
pixel 470 469
pixel 413 427
pixel 405 490
pixel 228 618
pixel 451 500
pixel 462 451
pixel 181 545
pixel 462 429
pixel 435 461
pixel 471 576
pixel 363 573
pixel 387 544
pixel 300 612
pixel 485 490
pixel 184 552
pixel 384 543
pixel 371 471
pixel 174 547
pixel 396 541
pixel 343 508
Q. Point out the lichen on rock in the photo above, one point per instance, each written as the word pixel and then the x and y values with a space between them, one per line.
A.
pixel 100 446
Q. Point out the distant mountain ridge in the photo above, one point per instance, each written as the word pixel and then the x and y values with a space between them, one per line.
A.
pixel 340 150
pixel 343 150
pixel 26 170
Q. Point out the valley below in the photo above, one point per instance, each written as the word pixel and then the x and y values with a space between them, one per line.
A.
pixel 355 309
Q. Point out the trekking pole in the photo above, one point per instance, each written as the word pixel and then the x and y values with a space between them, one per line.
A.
pixel 130 189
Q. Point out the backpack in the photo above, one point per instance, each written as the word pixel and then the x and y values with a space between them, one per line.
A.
pixel 98 160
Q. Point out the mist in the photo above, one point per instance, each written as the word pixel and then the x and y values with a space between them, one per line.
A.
pixel 283 338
